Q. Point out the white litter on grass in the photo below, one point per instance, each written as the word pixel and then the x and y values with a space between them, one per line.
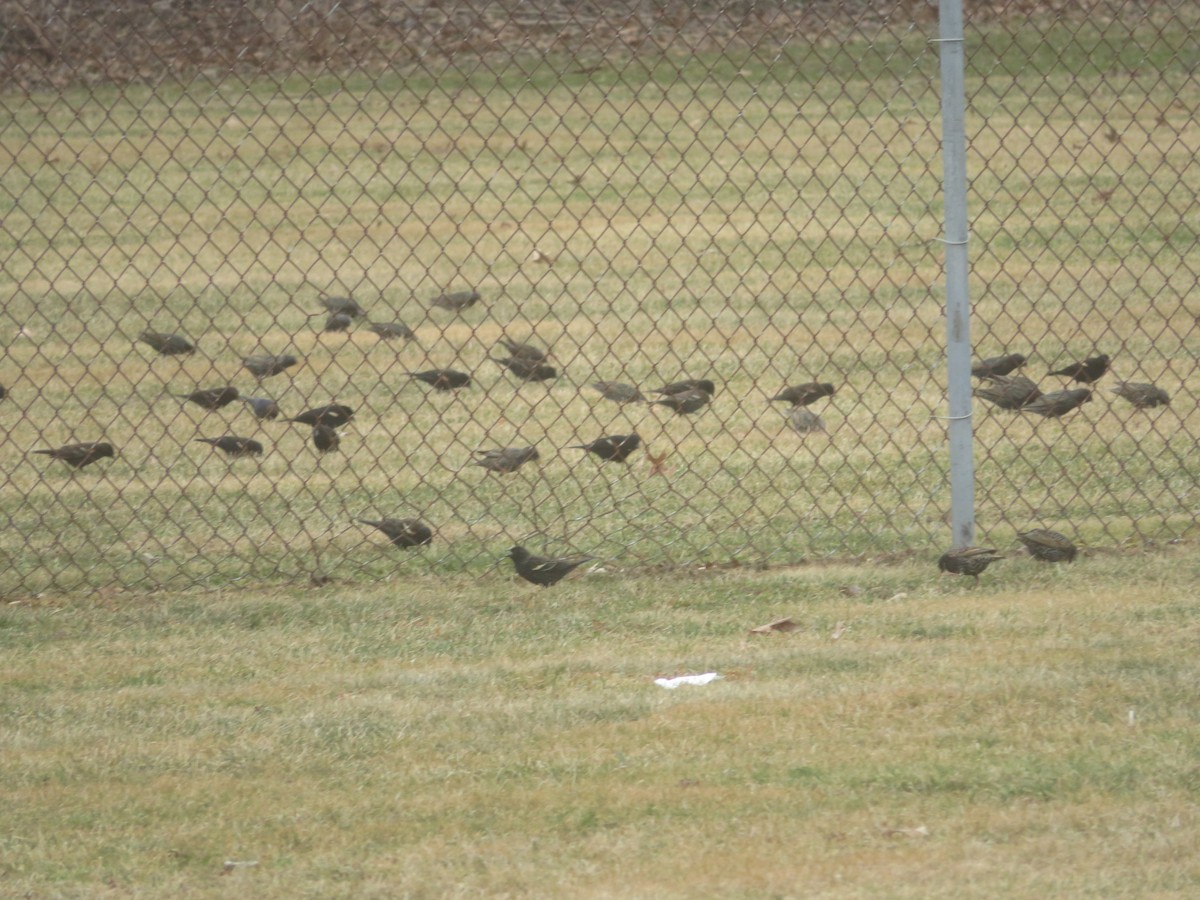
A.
pixel 671 683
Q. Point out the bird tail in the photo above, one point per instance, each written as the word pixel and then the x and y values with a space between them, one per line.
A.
pixel 45 452
pixel 369 522
pixel 212 442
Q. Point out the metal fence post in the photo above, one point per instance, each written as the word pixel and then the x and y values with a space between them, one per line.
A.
pixel 958 310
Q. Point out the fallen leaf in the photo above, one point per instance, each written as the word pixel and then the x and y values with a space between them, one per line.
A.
pixel 784 625
pixel 656 463
pixel 919 831
pixel 838 630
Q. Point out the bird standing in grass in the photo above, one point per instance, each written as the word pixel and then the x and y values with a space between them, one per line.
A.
pixel 804 420
pixel 967 561
pixel 212 398
pixel 612 448
pixel 233 446
pixel 685 403
pixel 267 365
pixel 544 570
pixel 804 394
pixel 508 459
pixel 528 369
pixel 1086 372
pixel 1142 395
pixel 618 391
pixel 325 439
pixel 264 408
pixel 335 415
pixel 79 455
pixel 1048 546
pixel 403 533
pixel 167 344
pixel 997 365
pixel 1008 391
pixel 389 330
pixel 1058 403
pixel 456 301
pixel 680 387
pixel 519 350
pixel 342 306
pixel 338 322
pixel 442 379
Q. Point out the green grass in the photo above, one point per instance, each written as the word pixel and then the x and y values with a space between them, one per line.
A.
pixel 439 735
pixel 762 217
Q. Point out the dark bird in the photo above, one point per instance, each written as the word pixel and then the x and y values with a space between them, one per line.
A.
pixel 344 306
pixel 804 420
pixel 325 439
pixel 268 365
pixel 212 398
pixel 518 350
pixel 527 369
pixel 544 570
pixel 998 365
pixel 508 459
pixel 1008 391
pixel 334 415
pixel 167 344
pixel 234 446
pixel 338 322
pixel 79 455
pixel 390 330
pixel 404 533
pixel 618 391
pixel 613 448
pixel 686 402
pixel 442 379
pixel 804 394
pixel 456 301
pixel 1048 546
pixel 1086 372
pixel 1142 395
pixel 967 561
pixel 1058 403
pixel 3 392
pixel 262 407
pixel 682 387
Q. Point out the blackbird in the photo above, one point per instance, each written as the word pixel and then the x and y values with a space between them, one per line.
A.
pixel 344 306
pixel 618 391
pixel 325 439
pixel 266 365
pixel 262 407
pixel 804 420
pixel 1086 372
pixel 1058 403
pixel 967 561
pixel 518 350
pixel 390 330
pixel 508 459
pixel 1048 546
pixel 212 398
pixel 682 387
pixel 234 446
pixel 686 402
pixel 527 369
pixel 338 322
pixel 79 455
pixel 456 301
pixel 804 394
pixel 613 448
pixel 442 379
pixel 544 570
pixel 404 533
pixel 167 344
pixel 335 415
pixel 1008 391
pixel 1142 395
pixel 998 365
pixel 3 392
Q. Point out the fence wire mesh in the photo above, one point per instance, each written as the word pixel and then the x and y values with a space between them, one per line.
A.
pixel 745 193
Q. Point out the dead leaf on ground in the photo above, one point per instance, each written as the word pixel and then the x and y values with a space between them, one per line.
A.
pixel 784 625
pixel 920 831
pixel 838 630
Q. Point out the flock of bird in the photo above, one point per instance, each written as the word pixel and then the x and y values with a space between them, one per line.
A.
pixel 528 362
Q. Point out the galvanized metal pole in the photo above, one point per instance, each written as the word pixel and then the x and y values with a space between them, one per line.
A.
pixel 958 306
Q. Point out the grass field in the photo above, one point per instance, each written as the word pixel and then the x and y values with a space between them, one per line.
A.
pixel 442 736
pixel 760 220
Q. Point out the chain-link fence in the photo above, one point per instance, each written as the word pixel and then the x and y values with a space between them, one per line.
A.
pixel 648 192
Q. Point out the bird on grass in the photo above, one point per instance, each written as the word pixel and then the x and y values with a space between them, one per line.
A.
pixel 79 455
pixel 1058 403
pixel 1086 372
pixel 685 403
pixel 267 365
pixel 508 459
pixel 1048 546
pixel 343 306
pixel 335 415
pixel 3 392
pixel 544 570
pixel 804 420
pixel 1142 395
pixel 403 533
pixel 234 446
pixel 338 322
pixel 519 350
pixel 682 387
pixel 167 344
pixel 212 398
pixel 456 301
pixel 998 365
pixel 804 394
pixel 325 439
pixel 1008 391
pixel 389 330
pixel 442 379
pixel 263 408
pixel 618 391
pixel 613 448
pixel 527 369
pixel 967 561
